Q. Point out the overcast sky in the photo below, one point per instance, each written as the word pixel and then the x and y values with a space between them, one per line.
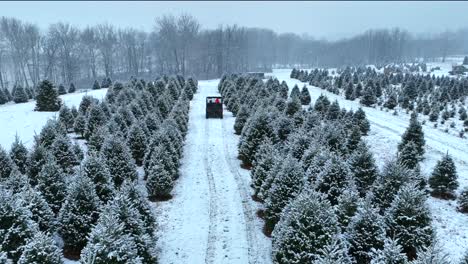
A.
pixel 318 19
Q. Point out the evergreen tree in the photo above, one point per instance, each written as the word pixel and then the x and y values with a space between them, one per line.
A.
pixel 463 201
pixel 51 183
pixel 390 254
pixel 241 118
pixel 362 165
pixel 432 254
pixel 108 242
pixel 347 205
pixel 118 158
pixel 96 118
pixel 6 164
pixel 365 232
pixel 80 125
pixel 264 159
pixel 349 92
pixel 336 252
pixel 387 184
pixel 334 178
pixel 78 214
pixel 72 88
pixel 3 99
pixel 307 226
pixel 409 156
pixel 47 98
pixel 41 249
pixel 391 102
pixel 138 197
pixel 96 85
pixel 159 181
pixel 19 155
pixel 137 142
pixel 49 132
pixel 62 149
pixel 361 120
pixel 305 96
pixel 368 97
pixel 295 92
pixel 285 186
pixel 62 90
pixel 465 60
pixel 96 169
pixel 66 117
pixel 334 111
pixel 36 159
pixel 293 106
pixel 260 127
pixel 409 220
pixel 443 180
pixel 415 134
pixel 16 226
pixel 354 139
pixel 97 138
pixel 40 210
pixel 20 95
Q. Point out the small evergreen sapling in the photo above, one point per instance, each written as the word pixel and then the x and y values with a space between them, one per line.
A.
pixel 47 98
pixel 19 155
pixel 463 201
pixel 41 249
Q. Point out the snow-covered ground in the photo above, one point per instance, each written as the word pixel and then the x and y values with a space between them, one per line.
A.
pixel 385 134
pixel 21 119
pixel 211 217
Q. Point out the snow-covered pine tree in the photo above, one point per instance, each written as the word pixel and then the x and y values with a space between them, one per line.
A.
pixel 36 159
pixel 49 132
pixel 20 95
pixel 264 160
pixel 122 207
pixel 443 180
pixel 62 149
pixel 354 139
pixel 96 118
pixel 241 119
pixel 347 205
pixel 293 105
pixel 432 254
pixel 66 117
pixel 285 186
pixel 119 160
pixel 41 249
pixel 95 168
pixel 362 165
pixel 391 102
pixel 365 232
pixel 96 85
pixel 415 134
pixel 98 137
pixel 388 183
pixel 62 90
pixel 391 253
pixel 368 97
pixel 108 242
pixel 78 214
pixel 295 92
pixel 16 182
pixel 333 111
pixel 51 183
pixel 72 88
pixel 6 164
pixel 463 201
pixel 138 197
pixel 260 127
pixel 47 98
pixel 305 96
pixel 19 155
pixel 159 181
pixel 361 121
pixel 409 156
pixel 349 91
pixel 334 178
pixel 308 224
pixel 16 225
pixel 85 104
pixel 79 126
pixel 39 208
pixel 336 252
pixel 137 142
pixel 409 220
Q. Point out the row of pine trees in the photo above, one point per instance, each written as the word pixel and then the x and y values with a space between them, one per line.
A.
pixel 324 199
pixel 89 200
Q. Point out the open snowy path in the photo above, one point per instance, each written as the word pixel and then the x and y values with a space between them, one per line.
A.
pixel 211 217
pixel 386 130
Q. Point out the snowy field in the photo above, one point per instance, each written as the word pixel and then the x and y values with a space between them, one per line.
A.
pixel 385 134
pixel 21 119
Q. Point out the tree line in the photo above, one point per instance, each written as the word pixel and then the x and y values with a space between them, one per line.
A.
pixel 66 54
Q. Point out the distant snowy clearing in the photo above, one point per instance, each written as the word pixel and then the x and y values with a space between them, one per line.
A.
pixel 21 119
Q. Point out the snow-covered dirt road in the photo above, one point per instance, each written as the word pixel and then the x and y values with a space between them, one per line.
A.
pixel 386 130
pixel 211 217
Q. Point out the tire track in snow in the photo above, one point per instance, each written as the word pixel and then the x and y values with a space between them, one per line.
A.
pixel 247 211
pixel 213 210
